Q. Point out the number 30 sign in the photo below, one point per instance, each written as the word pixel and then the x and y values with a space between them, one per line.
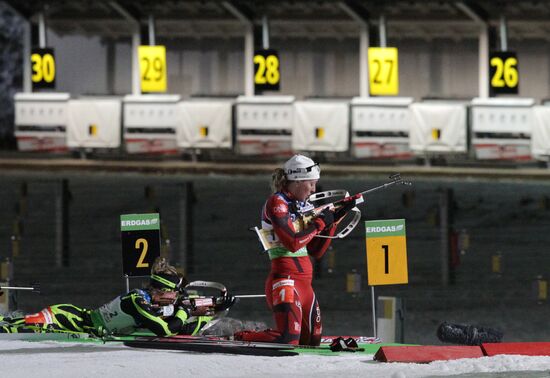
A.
pixel 140 235
pixel 386 252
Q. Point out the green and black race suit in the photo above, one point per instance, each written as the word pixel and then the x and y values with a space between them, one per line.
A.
pixel 122 316
pixel 127 313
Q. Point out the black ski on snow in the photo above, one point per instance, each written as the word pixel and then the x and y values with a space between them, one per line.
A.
pixel 210 339
pixel 214 346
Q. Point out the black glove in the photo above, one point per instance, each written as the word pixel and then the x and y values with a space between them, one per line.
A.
pixel 327 216
pixel 341 211
pixel 225 302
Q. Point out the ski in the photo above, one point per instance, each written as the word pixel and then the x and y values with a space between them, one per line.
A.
pixel 213 346
pixel 210 340
pixel 217 343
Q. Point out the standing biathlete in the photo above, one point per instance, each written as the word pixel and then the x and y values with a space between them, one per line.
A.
pixel 288 288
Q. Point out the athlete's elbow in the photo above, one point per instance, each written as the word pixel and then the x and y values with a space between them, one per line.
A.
pixel 295 247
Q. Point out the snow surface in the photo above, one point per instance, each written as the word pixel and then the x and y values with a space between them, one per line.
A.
pixel 68 359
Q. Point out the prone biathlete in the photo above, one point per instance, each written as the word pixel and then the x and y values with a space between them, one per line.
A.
pixel 153 308
pixel 288 287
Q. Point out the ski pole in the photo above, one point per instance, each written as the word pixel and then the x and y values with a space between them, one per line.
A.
pixel 250 296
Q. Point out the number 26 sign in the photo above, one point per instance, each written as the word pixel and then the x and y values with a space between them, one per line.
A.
pixel 386 252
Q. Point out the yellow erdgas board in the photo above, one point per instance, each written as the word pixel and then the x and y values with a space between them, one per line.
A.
pixel 152 67
pixel 383 71
pixel 386 252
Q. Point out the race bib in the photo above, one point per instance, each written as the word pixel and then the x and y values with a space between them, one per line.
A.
pixel 283 291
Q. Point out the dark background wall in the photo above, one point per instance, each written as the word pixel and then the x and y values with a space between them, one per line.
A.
pixel 11 71
pixel 506 218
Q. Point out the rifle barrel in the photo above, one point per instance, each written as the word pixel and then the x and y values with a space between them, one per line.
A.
pixel 396 179
pixel 16 288
pixel 250 296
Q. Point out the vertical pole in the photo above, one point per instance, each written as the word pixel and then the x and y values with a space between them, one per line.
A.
pixel 27 83
pixel 364 60
pixel 382 29
pixel 249 61
pixel 484 62
pixel 151 30
pixel 127 283
pixel 136 40
pixel 42 41
pixel 373 310
pixel 503 34
pixel 248 46
pixel 185 250
pixel 265 33
pixel 361 19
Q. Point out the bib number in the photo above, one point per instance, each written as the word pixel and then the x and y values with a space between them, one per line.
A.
pixel 283 291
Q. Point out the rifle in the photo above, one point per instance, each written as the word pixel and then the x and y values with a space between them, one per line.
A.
pixel 35 288
pixel 191 299
pixel 267 238
pixel 308 214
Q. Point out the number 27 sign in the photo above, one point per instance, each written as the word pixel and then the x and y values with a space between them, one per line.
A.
pixel 383 71
pixel 386 252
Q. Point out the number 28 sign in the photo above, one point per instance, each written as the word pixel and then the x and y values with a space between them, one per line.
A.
pixel 140 235
pixel 267 73
pixel 386 252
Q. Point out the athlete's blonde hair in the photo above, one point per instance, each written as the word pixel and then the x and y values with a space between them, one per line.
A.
pixel 278 180
pixel 161 266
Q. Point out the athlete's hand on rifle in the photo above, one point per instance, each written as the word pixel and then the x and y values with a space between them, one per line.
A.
pixel 202 311
pixel 327 216
pixel 346 205
pixel 165 298
pixel 225 302
pixel 198 306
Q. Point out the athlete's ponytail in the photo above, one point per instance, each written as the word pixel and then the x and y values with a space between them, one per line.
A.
pixel 278 180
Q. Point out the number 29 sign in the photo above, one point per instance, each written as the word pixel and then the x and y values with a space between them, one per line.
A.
pixel 140 235
pixel 152 66
pixel 386 252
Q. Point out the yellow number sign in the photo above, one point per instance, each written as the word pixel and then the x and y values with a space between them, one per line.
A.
pixel 152 66
pixel 43 68
pixel 267 75
pixel 504 73
pixel 383 71
pixel 386 252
